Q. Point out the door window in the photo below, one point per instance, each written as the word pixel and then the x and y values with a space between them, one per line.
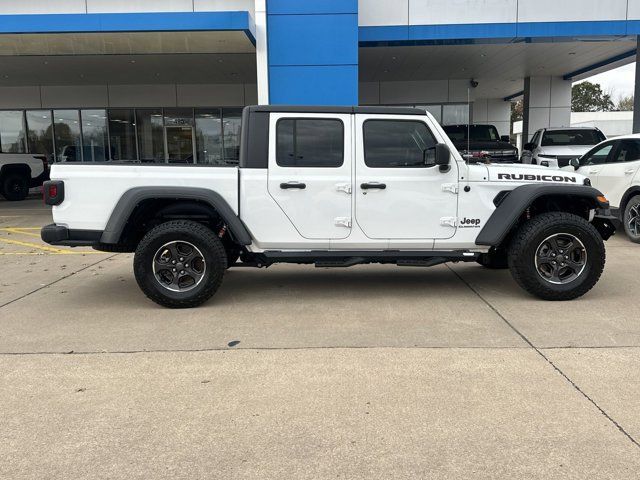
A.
pixel 309 143
pixel 597 156
pixel 629 151
pixel 398 144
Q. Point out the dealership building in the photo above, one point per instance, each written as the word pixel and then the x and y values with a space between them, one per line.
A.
pixel 165 80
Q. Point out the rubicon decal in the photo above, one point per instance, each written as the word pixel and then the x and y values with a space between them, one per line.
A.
pixel 539 178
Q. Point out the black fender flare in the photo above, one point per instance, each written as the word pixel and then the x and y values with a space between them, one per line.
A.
pixel 133 197
pixel 519 199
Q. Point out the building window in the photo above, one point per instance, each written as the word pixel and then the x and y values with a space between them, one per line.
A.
pixel 398 144
pixel 209 136
pixel 309 143
pixel 455 114
pixel 66 128
pixel 40 132
pixel 12 132
pixel 231 126
pixel 122 134
pixel 150 135
pixel 94 136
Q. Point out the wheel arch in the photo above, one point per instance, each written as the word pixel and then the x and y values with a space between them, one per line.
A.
pixel 534 199
pixel 628 195
pixel 15 168
pixel 175 201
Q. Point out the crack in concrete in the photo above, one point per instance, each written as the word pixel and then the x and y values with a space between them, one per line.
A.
pixel 70 274
pixel 553 365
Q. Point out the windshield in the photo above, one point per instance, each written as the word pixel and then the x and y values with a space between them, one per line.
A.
pixel 563 138
pixel 479 133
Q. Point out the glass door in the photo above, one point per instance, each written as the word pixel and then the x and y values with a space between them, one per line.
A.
pixel 179 144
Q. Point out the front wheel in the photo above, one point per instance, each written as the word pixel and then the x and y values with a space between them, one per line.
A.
pixel 557 256
pixel 180 264
pixel 631 219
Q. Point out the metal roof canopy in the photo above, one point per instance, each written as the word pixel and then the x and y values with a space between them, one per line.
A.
pixel 500 68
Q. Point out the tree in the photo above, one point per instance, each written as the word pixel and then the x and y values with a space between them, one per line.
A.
pixel 589 97
pixel 625 104
pixel 517 111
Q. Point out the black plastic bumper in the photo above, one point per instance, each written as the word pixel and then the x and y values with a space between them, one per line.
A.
pixel 58 235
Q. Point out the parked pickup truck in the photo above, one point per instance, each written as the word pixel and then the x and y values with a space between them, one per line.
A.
pixel 334 187
pixel 19 172
pixel 482 143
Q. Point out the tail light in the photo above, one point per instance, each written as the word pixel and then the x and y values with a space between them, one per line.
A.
pixel 53 192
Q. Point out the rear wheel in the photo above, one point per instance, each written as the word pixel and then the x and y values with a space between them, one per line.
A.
pixel 631 219
pixel 557 256
pixel 15 186
pixel 180 264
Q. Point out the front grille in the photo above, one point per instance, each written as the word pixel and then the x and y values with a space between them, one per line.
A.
pixel 563 160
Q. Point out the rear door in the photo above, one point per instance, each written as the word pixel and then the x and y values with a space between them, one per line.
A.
pixel 310 172
pixel 397 194
pixel 615 176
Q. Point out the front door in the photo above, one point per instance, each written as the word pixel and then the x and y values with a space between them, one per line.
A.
pixel 616 174
pixel 399 193
pixel 310 172
pixel 179 144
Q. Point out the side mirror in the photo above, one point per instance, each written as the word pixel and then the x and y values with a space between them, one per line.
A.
pixel 529 146
pixel 443 156
pixel 505 138
pixel 575 163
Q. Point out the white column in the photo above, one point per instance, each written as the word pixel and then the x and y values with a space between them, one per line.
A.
pixel 262 62
pixel 547 104
pixel 493 111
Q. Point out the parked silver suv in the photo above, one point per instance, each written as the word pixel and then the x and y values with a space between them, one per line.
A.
pixel 556 147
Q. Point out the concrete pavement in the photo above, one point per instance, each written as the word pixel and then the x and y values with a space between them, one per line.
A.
pixel 296 372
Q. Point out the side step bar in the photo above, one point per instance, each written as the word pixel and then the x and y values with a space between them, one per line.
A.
pixel 324 258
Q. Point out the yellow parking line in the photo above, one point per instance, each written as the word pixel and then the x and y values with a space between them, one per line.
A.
pixel 19 231
pixel 34 245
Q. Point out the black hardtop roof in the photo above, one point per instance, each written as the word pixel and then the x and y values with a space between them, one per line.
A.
pixel 327 109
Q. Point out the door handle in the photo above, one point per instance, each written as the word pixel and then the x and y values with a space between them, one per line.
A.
pixel 288 185
pixel 630 171
pixel 593 172
pixel 373 185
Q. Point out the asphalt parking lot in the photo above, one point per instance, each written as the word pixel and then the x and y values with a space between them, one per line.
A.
pixel 295 372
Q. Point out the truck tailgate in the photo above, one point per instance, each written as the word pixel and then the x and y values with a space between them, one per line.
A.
pixel 91 192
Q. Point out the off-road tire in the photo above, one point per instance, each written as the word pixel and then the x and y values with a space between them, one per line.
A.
pixel 14 186
pixel 494 259
pixel 184 231
pixel 633 205
pixel 525 243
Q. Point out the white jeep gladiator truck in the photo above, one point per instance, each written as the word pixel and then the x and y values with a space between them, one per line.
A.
pixel 19 172
pixel 334 187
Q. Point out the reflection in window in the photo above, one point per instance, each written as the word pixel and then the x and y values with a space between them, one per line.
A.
pixel 94 136
pixel 12 132
pixel 209 136
pixel 231 122
pixel 455 114
pixel 66 128
pixel 398 143
pixel 310 143
pixel 150 135
pixel 122 134
pixel 40 132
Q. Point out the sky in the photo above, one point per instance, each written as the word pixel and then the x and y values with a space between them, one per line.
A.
pixel 619 82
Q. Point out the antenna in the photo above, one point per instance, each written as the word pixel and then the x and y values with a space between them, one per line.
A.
pixel 468 125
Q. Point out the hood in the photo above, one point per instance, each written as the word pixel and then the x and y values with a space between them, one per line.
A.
pixel 573 150
pixel 522 173
pixel 475 146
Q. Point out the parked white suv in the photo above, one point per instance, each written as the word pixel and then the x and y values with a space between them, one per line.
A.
pixel 555 147
pixel 19 172
pixel 614 168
